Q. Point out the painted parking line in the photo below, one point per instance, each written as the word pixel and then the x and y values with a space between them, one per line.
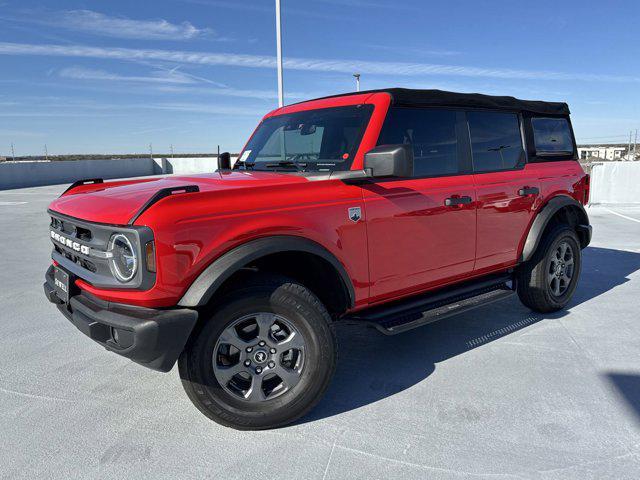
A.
pixel 6 204
pixel 621 215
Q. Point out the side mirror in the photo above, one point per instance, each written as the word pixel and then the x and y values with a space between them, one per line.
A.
pixel 389 161
pixel 224 161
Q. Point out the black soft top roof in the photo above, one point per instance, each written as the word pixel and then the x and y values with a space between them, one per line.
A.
pixel 407 97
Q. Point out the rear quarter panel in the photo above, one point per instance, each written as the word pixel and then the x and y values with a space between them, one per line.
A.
pixel 556 178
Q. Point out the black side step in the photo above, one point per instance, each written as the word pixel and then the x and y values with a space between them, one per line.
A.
pixel 409 314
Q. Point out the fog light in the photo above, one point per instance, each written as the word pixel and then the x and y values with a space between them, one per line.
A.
pixel 121 337
pixel 114 335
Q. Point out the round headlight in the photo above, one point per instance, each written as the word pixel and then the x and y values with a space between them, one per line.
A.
pixel 124 261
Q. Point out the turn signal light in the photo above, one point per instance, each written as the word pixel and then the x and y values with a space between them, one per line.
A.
pixel 150 253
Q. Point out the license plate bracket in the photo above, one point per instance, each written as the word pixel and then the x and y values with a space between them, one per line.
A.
pixel 61 283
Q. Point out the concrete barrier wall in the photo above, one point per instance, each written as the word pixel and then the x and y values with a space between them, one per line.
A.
pixel 188 165
pixel 33 174
pixel 615 182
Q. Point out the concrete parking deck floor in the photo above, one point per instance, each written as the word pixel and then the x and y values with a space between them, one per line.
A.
pixel 498 392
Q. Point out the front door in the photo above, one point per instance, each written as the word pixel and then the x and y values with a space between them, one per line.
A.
pixel 422 230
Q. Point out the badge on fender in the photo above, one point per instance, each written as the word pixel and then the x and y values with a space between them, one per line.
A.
pixel 355 214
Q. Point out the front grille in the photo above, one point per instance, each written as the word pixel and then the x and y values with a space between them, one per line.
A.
pixel 81 247
pixel 83 234
pixel 83 262
pixel 81 237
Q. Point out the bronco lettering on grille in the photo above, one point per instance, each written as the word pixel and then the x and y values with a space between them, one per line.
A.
pixel 70 243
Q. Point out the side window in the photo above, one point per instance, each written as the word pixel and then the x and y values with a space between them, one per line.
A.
pixel 496 141
pixel 431 133
pixel 552 136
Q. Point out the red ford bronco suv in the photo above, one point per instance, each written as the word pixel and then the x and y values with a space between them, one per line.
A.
pixel 392 208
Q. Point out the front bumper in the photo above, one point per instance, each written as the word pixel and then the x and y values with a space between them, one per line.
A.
pixel 151 337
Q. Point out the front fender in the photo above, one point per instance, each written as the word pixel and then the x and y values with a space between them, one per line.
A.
pixel 221 269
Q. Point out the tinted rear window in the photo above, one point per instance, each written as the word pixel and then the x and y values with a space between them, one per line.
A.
pixel 552 135
pixel 431 133
pixel 496 142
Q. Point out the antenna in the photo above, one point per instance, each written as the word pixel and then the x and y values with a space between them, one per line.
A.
pixel 46 152
pixel 13 153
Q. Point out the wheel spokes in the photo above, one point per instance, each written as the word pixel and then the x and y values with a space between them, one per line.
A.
pixel 289 377
pixel 259 356
pixel 225 374
pixel 230 337
pixel 255 393
pixel 563 250
pixel 265 322
pixel 293 341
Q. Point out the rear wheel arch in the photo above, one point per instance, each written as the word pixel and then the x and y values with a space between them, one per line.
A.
pixel 561 209
pixel 297 257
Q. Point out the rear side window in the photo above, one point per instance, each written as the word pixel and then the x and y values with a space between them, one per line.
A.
pixel 496 142
pixel 431 133
pixel 552 136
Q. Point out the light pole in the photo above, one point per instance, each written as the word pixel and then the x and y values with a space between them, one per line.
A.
pixel 279 55
pixel 357 76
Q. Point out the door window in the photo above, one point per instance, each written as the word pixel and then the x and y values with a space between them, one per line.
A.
pixel 496 142
pixel 431 133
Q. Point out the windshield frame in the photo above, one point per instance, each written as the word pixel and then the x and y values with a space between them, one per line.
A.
pixel 363 139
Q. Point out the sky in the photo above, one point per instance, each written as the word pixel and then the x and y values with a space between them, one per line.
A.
pixel 82 76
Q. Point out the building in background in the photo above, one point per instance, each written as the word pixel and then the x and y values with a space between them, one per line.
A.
pixel 603 152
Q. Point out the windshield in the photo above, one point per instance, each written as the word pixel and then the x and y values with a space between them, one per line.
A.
pixel 312 140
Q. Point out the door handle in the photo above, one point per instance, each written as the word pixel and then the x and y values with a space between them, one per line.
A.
pixel 524 191
pixel 455 201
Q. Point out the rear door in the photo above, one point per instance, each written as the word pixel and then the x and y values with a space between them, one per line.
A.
pixel 415 239
pixel 506 191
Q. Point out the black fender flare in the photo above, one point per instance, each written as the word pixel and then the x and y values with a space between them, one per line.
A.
pixel 544 216
pixel 206 284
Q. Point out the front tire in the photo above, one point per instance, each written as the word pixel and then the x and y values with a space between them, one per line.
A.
pixel 264 357
pixel 546 282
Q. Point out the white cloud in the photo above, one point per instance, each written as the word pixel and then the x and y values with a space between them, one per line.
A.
pixel 70 107
pixel 304 64
pixel 122 27
pixel 170 77
pixel 414 51
pixel 235 92
pixel 20 133
pixel 372 4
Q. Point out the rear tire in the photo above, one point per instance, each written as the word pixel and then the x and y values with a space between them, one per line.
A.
pixel 546 282
pixel 263 359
